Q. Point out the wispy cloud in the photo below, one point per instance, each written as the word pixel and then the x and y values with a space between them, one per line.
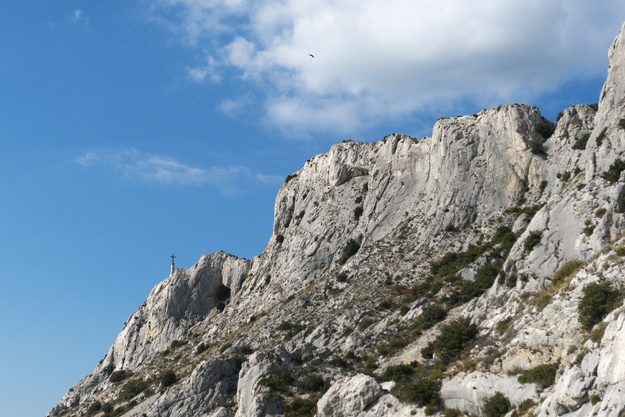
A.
pixel 162 170
pixel 375 61
pixel 78 17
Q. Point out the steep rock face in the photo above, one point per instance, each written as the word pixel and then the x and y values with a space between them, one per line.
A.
pixel 172 307
pixel 316 316
pixel 470 168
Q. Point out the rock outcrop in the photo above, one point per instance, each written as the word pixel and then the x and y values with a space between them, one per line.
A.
pixel 498 223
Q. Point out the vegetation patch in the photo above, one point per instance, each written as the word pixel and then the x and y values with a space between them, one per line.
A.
pixel 432 314
pixel 279 381
pixel 452 262
pixel 580 144
pixel 133 388
pixel 601 212
pixel 484 278
pixel 452 340
pixel 599 299
pixel 350 250
pixel 614 172
pixel 496 406
pixel 566 271
pixel 365 323
pixel 300 407
pixel 414 385
pixel 541 375
pixel 168 378
pixel 532 240
pixel 358 212
pixel 564 176
pixel 601 136
pixel 315 383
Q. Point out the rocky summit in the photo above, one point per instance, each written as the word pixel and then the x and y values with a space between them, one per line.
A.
pixel 479 271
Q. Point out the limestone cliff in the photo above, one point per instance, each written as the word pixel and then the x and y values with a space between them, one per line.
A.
pixel 500 224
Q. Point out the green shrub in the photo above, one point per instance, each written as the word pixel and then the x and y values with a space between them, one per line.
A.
pixel 294 331
pixel 94 407
pixel 541 375
pixel 538 149
pixel 420 390
pixel 614 172
pixel 545 129
pixel 285 325
pixel 339 362
pixel 590 227
pixel 532 240
pixel 300 407
pixel 601 212
pixel 580 144
pixel 564 176
pixel 601 136
pixel 452 262
pixel 497 405
pixel 201 348
pixel 350 250
pixel 525 405
pixel 279 381
pixel 315 383
pixel 397 373
pixel 365 323
pixel 598 300
pixel 511 281
pixel 133 388
pixel 358 212
pixel 621 124
pixel 245 349
pixel 452 340
pixel 597 333
pixel 168 378
pixel 566 271
pixel 432 314
pixel 484 278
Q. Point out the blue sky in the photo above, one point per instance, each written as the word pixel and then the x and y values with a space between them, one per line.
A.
pixel 135 129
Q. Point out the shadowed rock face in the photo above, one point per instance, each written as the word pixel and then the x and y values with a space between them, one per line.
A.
pixel 305 314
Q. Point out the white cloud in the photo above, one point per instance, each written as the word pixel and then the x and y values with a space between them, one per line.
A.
pixel 376 60
pixel 78 17
pixel 236 106
pixel 162 170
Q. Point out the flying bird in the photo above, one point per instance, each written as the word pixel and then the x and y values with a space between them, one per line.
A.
pixel 311 55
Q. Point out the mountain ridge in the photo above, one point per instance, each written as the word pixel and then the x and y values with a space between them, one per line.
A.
pixel 345 289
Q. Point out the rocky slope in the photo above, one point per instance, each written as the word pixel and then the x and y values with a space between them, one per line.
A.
pixel 476 271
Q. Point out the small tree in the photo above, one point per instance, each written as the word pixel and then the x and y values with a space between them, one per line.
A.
pixel 497 405
pixel 168 378
pixel 532 240
pixel 350 250
pixel 452 340
pixel 598 300
pixel 542 375
pixel 614 172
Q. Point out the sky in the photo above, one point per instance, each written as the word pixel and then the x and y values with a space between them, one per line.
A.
pixel 133 130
